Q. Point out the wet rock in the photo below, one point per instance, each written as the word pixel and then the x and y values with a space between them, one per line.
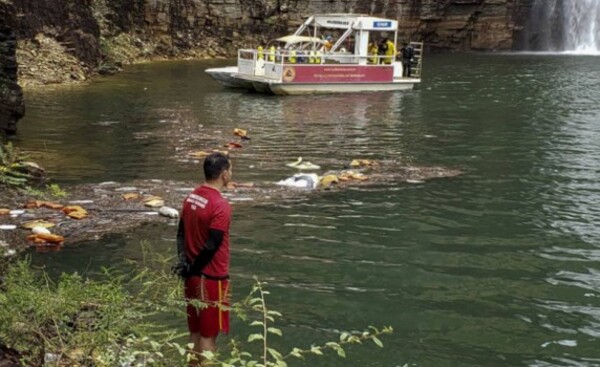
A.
pixel 108 69
pixel 127 188
pixel 10 252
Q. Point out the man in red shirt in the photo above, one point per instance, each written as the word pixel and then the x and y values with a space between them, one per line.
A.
pixel 203 251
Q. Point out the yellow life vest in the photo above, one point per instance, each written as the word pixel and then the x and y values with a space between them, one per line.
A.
pixel 260 53
pixel 390 52
pixel 272 53
pixel 292 58
pixel 374 52
pixel 318 57
pixel 311 57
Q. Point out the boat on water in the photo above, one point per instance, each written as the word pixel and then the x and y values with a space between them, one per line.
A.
pixel 312 61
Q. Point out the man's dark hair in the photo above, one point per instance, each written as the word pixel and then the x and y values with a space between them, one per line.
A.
pixel 214 165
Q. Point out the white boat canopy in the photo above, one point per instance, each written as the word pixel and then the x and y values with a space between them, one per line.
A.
pixel 354 21
pixel 345 26
pixel 298 39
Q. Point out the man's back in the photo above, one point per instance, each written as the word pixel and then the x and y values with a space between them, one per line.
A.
pixel 205 209
pixel 408 52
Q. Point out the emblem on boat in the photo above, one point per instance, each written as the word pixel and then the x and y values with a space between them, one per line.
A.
pixel 289 74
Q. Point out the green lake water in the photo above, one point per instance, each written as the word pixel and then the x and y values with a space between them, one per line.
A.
pixel 497 267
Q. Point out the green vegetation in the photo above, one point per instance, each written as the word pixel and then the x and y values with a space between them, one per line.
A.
pixel 18 173
pixel 13 170
pixel 50 192
pixel 115 321
pixel 55 191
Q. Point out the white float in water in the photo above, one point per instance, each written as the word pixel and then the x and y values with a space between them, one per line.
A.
pixel 301 181
pixel 168 212
pixel 40 230
pixel 77 202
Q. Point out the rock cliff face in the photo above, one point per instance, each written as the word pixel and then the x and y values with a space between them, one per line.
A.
pixel 12 107
pixel 62 41
pixel 442 24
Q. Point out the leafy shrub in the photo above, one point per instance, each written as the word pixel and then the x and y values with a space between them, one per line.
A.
pixel 11 168
pixel 112 321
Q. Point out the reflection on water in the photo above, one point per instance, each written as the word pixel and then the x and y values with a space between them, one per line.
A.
pixel 498 267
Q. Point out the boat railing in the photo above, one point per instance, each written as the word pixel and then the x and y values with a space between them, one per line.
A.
pixel 270 64
pixel 417 59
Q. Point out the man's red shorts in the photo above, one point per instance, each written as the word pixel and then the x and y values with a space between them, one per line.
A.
pixel 215 294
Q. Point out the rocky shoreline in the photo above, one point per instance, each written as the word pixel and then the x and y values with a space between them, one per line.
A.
pixel 114 207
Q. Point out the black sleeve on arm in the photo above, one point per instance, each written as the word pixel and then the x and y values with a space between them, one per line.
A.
pixel 215 239
pixel 181 243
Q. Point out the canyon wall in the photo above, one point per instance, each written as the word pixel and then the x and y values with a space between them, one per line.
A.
pixel 64 41
pixel 12 107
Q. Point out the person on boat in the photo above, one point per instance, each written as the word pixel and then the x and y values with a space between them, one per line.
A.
pixel 390 52
pixel 350 44
pixel 203 253
pixel 272 53
pixel 328 43
pixel 408 54
pixel 302 57
pixel 373 52
pixel 382 47
pixel 292 58
pixel 260 53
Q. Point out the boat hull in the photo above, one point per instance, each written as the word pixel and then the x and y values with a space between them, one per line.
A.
pixel 296 89
pixel 226 77
pixel 231 78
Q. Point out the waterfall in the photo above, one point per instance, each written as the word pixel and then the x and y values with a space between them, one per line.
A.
pixel 582 24
pixel 564 26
